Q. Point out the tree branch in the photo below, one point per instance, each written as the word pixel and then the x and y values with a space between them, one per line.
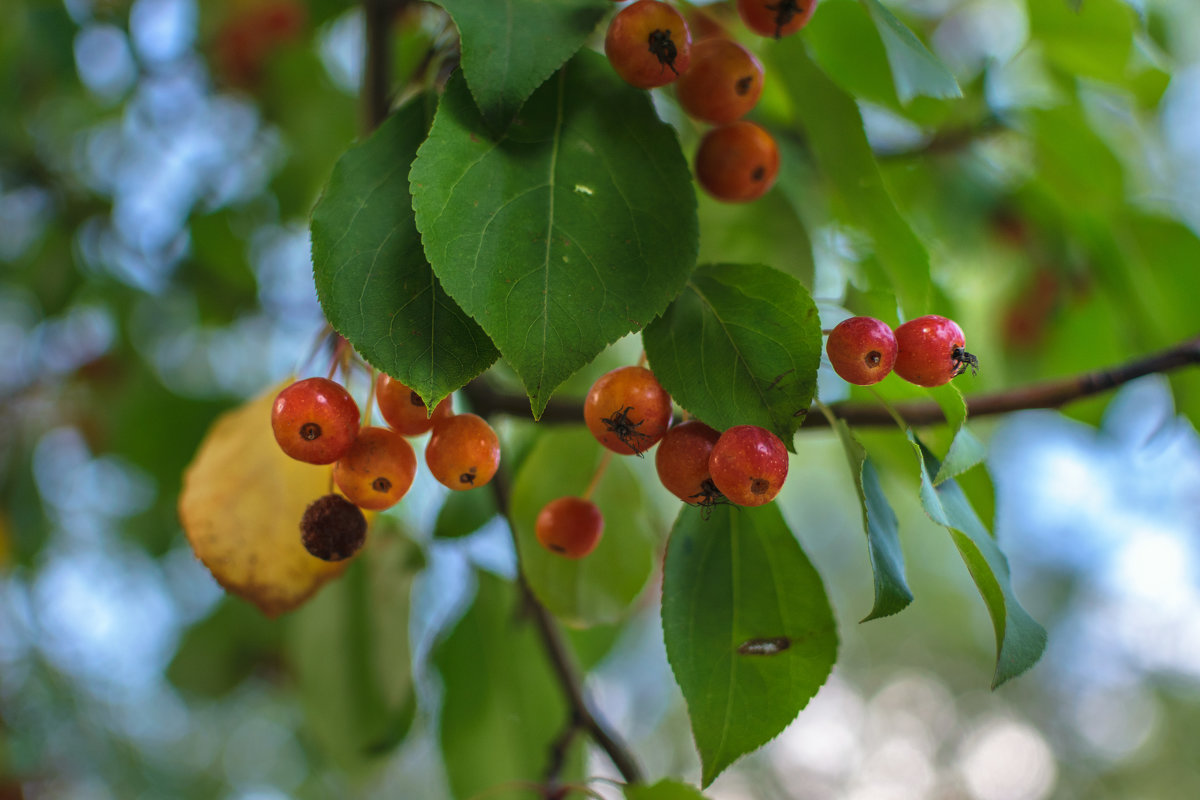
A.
pixel 557 652
pixel 486 399
pixel 376 85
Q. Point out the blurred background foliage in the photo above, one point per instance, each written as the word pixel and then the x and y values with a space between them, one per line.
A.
pixel 158 160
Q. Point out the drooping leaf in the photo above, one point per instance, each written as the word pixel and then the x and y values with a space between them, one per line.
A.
pixel 373 281
pixel 844 41
pixel 740 346
pixel 572 229
pixel 883 539
pixel 833 126
pixel 509 49
pixel 351 654
pixel 915 70
pixel 241 505
pixel 665 789
pixel 503 706
pixel 965 450
pixel 600 587
pixel 463 513
pixel 747 625
pixel 1020 640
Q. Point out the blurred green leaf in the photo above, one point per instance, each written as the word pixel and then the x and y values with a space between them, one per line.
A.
pixel 844 41
pixel 1020 640
pixel 573 229
pixel 1093 40
pixel 509 49
pixel 463 513
pixel 600 587
pixel 503 707
pixel 220 651
pixel 740 346
pixel 374 283
pixel 915 70
pixel 350 651
pixel 663 790
pixel 965 450
pixel 747 625
pixel 883 537
pixel 835 136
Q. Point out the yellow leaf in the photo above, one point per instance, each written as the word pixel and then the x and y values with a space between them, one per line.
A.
pixel 241 505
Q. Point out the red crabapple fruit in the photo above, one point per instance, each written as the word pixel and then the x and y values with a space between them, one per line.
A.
pixel 776 18
pixel 749 465
pixel 738 162
pixel 315 420
pixel 404 410
pixel 929 351
pixel 722 84
pixel 627 410
pixel 862 350
pixel 682 463
pixel 570 526
pixel 648 44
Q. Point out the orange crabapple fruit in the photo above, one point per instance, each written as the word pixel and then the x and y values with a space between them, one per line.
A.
pixel 378 470
pixel 648 44
pixel 315 420
pixel 404 410
pixel 682 463
pixel 737 163
pixel 569 526
pixel 463 452
pixel 722 84
pixel 627 410
pixel 776 18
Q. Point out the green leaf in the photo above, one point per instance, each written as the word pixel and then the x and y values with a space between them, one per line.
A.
pixel 463 513
pixel 965 450
pixel 1094 39
pixel 571 230
pixel 835 135
pixel 219 652
pixel 915 70
pixel 740 346
pixel 503 706
pixel 601 587
pixel 748 628
pixel 1020 640
pixel 350 651
pixel 883 539
pixel 665 789
pixel 511 48
pixel 844 41
pixel 373 281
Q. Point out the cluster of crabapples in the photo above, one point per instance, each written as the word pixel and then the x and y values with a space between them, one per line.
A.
pixel 927 351
pixel 717 81
pixel 316 421
pixel 628 412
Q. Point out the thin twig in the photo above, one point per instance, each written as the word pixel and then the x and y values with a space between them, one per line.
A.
pixel 486 399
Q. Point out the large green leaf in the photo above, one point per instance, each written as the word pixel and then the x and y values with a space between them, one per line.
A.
pixel 463 513
pixel 833 126
pixel 915 70
pixel 373 281
pixel 1020 640
pixel 572 229
pixel 349 646
pixel 748 628
pixel 665 789
pixel 1093 40
pixel 740 346
pixel 883 538
pixel 600 587
pixel 965 450
pixel 510 48
pixel 503 706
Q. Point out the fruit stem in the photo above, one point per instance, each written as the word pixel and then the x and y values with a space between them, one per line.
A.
pixel 642 360
pixel 370 406
pixel 605 460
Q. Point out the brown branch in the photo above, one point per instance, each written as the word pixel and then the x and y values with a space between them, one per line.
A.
pixel 377 61
pixel 557 652
pixel 486 399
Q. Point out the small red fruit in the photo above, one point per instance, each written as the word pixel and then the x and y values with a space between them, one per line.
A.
pixel 463 452
pixel 648 44
pixel 737 162
pixel 929 351
pixel 569 526
pixel 748 465
pixel 776 17
pixel 315 420
pixel 627 410
pixel 378 470
pixel 404 410
pixel 862 350
pixel 682 463
pixel 722 84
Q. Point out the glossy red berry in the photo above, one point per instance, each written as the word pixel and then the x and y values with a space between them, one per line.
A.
pixel 627 410
pixel 737 162
pixel 315 420
pixel 333 528
pixel 682 463
pixel 570 526
pixel 723 82
pixel 776 18
pixel 378 470
pixel 862 350
pixel 929 351
pixel 463 452
pixel 648 44
pixel 749 465
pixel 404 410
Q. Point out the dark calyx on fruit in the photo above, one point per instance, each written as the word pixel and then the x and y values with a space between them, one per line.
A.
pixel 333 528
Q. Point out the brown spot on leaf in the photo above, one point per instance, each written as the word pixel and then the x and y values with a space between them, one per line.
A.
pixel 764 647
